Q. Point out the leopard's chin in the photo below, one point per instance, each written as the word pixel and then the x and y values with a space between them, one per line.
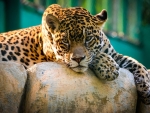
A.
pixel 79 69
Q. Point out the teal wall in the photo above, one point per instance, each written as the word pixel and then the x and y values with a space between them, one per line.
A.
pixel 16 16
pixel 2 17
pixel 12 14
pixel 29 18
pixel 128 49
pixel 145 40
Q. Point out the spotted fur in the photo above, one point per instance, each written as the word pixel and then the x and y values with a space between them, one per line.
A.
pixel 75 37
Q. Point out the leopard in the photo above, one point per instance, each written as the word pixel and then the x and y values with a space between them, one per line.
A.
pixel 74 37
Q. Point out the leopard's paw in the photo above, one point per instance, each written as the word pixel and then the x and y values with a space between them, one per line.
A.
pixel 108 71
pixel 105 67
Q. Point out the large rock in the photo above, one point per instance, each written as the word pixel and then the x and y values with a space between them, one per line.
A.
pixel 54 88
pixel 12 82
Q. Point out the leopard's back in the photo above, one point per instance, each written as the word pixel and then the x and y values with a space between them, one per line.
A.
pixel 22 46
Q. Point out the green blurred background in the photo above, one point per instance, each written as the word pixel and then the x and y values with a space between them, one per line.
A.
pixel 128 25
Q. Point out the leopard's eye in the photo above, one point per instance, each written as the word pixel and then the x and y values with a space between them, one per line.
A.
pixel 88 38
pixel 90 41
pixel 65 41
pixel 64 44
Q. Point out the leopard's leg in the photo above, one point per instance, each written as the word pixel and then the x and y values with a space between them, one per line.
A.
pixel 140 73
pixel 141 76
pixel 104 67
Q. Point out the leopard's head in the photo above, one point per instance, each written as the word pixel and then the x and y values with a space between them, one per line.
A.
pixel 72 34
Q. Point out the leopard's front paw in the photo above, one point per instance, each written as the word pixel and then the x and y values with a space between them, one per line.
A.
pixel 105 67
pixel 108 71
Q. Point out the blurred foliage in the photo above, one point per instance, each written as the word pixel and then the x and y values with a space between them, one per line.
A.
pixel 146 12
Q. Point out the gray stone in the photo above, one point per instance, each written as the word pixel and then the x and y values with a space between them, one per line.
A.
pixel 12 82
pixel 54 88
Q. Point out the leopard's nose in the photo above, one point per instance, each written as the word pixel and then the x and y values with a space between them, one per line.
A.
pixel 78 59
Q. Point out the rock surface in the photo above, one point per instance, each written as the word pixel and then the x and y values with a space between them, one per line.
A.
pixel 12 82
pixel 54 88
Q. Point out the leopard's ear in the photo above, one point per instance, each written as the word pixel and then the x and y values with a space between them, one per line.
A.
pixel 52 22
pixel 102 16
